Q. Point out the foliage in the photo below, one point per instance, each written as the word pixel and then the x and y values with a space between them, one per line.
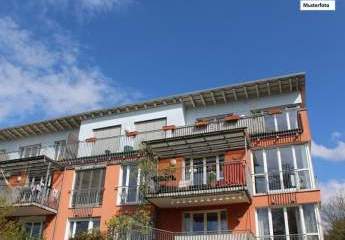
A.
pixel 141 214
pixel 94 235
pixel 9 229
pixel 333 215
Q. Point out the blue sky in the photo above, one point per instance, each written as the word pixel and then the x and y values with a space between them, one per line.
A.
pixel 64 56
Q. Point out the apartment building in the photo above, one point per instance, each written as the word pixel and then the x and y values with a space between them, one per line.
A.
pixel 234 162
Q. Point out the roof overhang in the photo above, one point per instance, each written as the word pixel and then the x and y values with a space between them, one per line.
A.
pixel 199 144
pixel 220 95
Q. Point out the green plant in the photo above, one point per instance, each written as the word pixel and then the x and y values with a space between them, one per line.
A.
pixel 9 229
pixel 141 214
pixel 94 235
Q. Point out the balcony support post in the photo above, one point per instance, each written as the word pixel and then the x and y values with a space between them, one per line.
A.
pixel 46 180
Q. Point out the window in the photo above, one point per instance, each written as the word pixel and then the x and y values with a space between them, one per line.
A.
pixel 278 222
pixel 281 168
pixel 60 148
pixel 202 222
pixel 33 229
pixel 78 226
pixel 129 191
pixel 199 171
pixel 149 128
pixel 30 151
pixel 88 187
pixel 284 121
pixel 107 140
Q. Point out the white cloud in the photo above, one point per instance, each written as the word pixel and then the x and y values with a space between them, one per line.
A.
pixel 46 76
pixel 84 8
pixel 336 153
pixel 331 188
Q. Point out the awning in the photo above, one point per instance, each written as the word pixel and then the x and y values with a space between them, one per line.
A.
pixel 199 143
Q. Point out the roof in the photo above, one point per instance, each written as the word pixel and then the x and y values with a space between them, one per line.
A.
pixel 219 95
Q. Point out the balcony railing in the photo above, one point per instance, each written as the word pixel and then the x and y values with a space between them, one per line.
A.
pixel 129 195
pixel 290 237
pixel 20 196
pixel 146 233
pixel 283 181
pixel 92 197
pixel 208 178
pixel 285 123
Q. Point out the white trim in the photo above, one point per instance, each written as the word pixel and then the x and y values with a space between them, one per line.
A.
pixel 74 226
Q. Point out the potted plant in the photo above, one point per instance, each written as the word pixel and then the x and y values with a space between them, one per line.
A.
pixel 201 123
pixel 232 118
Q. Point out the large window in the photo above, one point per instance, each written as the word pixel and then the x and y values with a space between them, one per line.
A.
pixel 203 222
pixel 150 130
pixel 33 229
pixel 200 171
pixel 284 121
pixel 77 226
pixel 282 168
pixel 30 151
pixel 88 187
pixel 287 223
pixel 129 188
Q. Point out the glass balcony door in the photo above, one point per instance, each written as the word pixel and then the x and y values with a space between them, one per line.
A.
pixel 203 171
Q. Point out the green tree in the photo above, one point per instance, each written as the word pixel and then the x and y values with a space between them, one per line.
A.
pixel 9 229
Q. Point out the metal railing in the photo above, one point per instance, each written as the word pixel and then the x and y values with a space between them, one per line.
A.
pixel 283 181
pixel 289 237
pixel 129 195
pixel 199 179
pixel 285 123
pixel 26 195
pixel 148 233
pixel 92 197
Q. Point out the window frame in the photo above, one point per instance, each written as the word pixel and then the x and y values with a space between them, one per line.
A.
pixel 296 170
pixel 89 188
pixel 286 222
pixel 204 164
pixel 125 186
pixel 73 223
pixel 205 212
pixel 23 150
pixel 32 222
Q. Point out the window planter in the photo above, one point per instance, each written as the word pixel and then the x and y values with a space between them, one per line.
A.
pixel 132 133
pixel 232 118
pixel 91 140
pixel 169 127
pixel 201 123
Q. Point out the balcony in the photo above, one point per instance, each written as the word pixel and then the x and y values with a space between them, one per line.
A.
pixel 211 136
pixel 28 202
pixel 158 234
pixel 28 198
pixel 290 237
pixel 200 185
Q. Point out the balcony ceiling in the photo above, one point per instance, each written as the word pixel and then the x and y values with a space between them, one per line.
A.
pixel 181 201
pixel 199 143
pixel 220 95
pixel 31 209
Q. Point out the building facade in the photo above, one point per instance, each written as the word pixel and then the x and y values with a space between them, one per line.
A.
pixel 234 162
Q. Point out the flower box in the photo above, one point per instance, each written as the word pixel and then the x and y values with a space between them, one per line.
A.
pixel 232 118
pixel 92 140
pixel 201 123
pixel 169 127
